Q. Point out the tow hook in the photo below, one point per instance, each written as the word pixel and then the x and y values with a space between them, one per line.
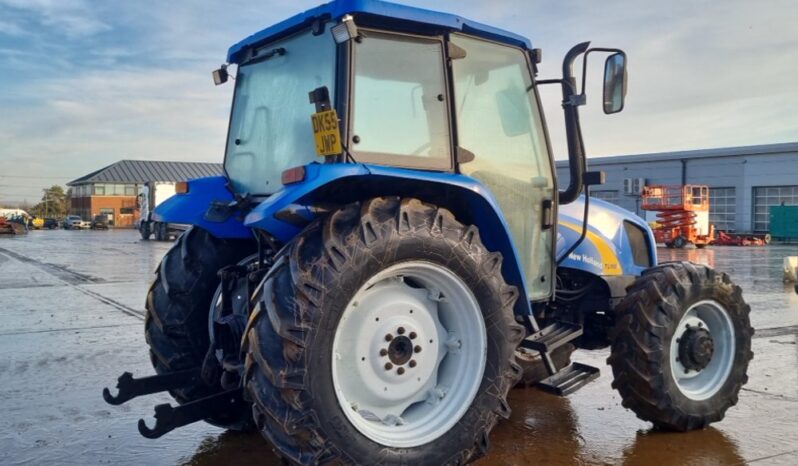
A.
pixel 130 388
pixel 168 417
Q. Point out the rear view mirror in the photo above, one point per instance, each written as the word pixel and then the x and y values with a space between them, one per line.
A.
pixel 614 82
pixel 220 75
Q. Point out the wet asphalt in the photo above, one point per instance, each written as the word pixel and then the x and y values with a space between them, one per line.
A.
pixel 71 320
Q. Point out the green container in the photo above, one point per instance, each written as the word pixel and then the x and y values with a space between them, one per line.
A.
pixel 784 222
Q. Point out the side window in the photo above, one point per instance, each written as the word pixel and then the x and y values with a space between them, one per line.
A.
pixel 400 114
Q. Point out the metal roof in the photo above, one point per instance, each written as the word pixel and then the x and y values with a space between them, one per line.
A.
pixel 740 151
pixel 377 12
pixel 141 171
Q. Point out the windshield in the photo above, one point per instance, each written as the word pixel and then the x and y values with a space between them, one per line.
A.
pixel 270 125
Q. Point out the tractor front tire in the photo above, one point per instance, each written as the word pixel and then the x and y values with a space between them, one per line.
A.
pixel 322 395
pixel 681 346
pixel 178 305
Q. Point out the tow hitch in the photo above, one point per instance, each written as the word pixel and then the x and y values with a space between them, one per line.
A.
pixel 130 388
pixel 168 417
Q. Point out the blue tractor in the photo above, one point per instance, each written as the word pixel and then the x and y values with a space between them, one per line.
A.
pixel 389 252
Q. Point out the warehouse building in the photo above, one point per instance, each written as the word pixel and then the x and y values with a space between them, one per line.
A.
pixel 744 181
pixel 113 190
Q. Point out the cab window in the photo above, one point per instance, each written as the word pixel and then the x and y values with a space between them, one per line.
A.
pixel 400 114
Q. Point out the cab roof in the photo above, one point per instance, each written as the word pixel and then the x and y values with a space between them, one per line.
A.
pixel 377 13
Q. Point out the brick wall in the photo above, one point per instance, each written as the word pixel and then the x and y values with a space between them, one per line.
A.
pixel 123 209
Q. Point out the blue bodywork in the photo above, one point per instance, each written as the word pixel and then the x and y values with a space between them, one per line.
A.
pixel 376 13
pixel 190 208
pixel 480 205
pixel 606 250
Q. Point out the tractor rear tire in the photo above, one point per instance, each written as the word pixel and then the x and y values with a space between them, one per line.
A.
pixel 680 242
pixel 178 303
pixel 157 232
pixel 671 373
pixel 144 230
pixel 290 368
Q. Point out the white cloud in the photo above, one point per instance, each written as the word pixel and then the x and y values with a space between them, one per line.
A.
pixel 702 74
pixel 10 29
pixel 73 18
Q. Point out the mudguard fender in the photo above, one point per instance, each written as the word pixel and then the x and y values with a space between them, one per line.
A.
pixel 191 207
pixel 340 183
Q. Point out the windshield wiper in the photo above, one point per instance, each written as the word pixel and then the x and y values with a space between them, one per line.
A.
pixel 257 56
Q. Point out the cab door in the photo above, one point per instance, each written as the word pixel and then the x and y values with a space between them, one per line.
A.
pixel 499 122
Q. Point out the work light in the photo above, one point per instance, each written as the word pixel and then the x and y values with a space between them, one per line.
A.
pixel 345 31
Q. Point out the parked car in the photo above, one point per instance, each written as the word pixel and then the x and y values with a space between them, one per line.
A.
pixel 50 223
pixel 100 222
pixel 75 222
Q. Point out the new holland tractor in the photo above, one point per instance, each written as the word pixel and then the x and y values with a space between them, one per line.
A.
pixel 389 252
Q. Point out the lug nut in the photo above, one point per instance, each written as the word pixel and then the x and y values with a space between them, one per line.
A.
pixel 400 371
pixel 388 337
pixel 400 330
pixel 417 349
pixel 388 366
pixel 413 335
pixel 383 352
pixel 412 363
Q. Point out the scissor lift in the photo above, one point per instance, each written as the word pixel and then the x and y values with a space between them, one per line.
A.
pixel 682 214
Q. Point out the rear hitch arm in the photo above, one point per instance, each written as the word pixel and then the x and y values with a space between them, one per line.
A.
pixel 169 418
pixel 130 388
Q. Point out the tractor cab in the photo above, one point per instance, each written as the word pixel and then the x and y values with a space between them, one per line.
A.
pixel 383 252
pixel 395 89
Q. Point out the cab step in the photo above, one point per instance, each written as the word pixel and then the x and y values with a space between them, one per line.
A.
pixel 569 379
pixel 552 337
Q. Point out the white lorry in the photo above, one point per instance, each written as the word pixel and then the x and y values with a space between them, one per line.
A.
pixel 152 194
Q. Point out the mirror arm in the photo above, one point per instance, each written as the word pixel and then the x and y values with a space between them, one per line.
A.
pixel 570 103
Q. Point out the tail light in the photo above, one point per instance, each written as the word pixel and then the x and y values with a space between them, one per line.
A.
pixel 293 175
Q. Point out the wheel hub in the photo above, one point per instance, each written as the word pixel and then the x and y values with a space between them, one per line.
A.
pixel 400 350
pixel 696 348
pixel 702 350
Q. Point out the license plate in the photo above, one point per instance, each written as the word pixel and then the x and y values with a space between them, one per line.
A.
pixel 326 133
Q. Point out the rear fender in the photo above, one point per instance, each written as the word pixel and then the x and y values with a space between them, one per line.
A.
pixel 190 208
pixel 287 212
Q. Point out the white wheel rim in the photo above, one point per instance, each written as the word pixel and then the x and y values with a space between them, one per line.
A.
pixel 704 383
pixel 422 401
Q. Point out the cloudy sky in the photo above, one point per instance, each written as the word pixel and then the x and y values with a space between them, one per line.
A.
pixel 86 83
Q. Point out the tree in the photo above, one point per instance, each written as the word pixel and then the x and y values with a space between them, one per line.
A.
pixel 54 203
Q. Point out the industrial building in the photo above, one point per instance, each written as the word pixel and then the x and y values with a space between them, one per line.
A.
pixel 113 190
pixel 744 181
